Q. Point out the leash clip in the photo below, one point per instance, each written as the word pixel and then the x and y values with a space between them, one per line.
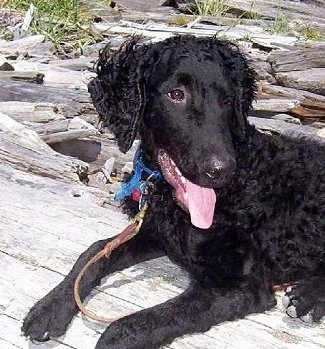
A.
pixel 138 219
pixel 136 183
pixel 144 190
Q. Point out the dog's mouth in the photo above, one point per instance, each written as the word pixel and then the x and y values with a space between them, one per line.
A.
pixel 198 201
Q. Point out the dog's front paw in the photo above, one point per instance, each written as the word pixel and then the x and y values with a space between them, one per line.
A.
pixel 131 332
pixel 50 316
pixel 306 299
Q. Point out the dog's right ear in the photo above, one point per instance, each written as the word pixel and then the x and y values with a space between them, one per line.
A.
pixel 118 92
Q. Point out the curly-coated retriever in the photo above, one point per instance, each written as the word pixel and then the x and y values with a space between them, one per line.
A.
pixel 239 210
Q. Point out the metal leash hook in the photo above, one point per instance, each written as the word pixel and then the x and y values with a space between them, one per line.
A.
pixel 139 218
pixel 144 191
pixel 128 233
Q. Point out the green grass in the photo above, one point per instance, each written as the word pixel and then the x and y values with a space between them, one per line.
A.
pixel 251 14
pixel 60 21
pixel 210 7
pixel 281 24
pixel 67 9
pixel 311 33
pixel 180 20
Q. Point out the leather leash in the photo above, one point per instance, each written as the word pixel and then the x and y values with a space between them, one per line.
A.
pixel 128 233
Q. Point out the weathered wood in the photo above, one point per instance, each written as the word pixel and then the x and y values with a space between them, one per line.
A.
pixel 67 136
pixel 29 76
pixel 36 254
pixel 54 75
pixel 32 99
pixel 308 111
pixel 81 63
pixel 21 46
pixel 265 40
pixel 61 126
pixel 23 149
pixel 302 57
pixel 287 118
pixel 65 130
pixel 31 112
pixel 151 31
pixel 275 105
pixel 167 17
pixel 244 9
pixel 73 100
pixel 37 250
pixel 303 104
pixel 297 10
pixel 301 95
pixel 163 31
pixel 285 128
pixel 312 80
pixel 321 132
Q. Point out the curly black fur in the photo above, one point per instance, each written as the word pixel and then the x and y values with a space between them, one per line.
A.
pixel 269 221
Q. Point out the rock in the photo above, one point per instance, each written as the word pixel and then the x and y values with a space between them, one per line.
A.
pixel 5 65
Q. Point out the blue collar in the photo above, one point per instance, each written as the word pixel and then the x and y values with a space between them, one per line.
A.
pixel 136 184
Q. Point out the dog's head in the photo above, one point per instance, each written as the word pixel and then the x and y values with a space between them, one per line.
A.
pixel 186 97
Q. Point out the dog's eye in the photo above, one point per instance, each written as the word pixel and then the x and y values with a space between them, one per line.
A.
pixel 176 95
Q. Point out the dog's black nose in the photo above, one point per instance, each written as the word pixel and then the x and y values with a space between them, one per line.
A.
pixel 219 171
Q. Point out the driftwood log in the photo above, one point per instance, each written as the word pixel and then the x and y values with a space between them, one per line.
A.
pixel 312 80
pixel 22 149
pixel 28 112
pixel 301 57
pixel 311 105
pixel 302 68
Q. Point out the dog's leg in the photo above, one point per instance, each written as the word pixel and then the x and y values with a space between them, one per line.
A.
pixel 195 310
pixel 306 299
pixel 51 315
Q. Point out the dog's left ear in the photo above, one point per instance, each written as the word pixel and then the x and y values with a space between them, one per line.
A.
pixel 243 81
pixel 245 90
pixel 118 92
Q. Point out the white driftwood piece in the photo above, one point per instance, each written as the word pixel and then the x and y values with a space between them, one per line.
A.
pixel 162 31
pixel 312 80
pixel 31 112
pixel 56 76
pixel 21 46
pixel 303 57
pixel 22 148
pixel 275 105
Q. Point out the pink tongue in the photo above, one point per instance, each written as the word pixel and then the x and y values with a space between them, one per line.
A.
pixel 201 203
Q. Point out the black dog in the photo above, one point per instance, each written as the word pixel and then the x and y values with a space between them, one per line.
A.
pixel 240 210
